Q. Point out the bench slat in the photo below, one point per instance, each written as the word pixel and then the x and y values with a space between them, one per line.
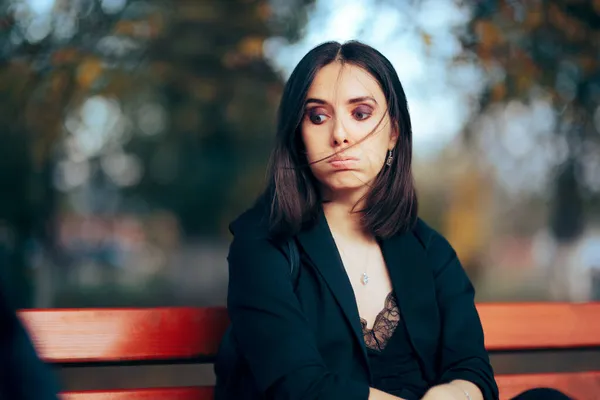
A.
pixel 92 335
pixel 578 385
pixel 183 393
pixel 520 326
pixel 105 335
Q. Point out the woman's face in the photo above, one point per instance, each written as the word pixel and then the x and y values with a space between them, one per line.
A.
pixel 343 106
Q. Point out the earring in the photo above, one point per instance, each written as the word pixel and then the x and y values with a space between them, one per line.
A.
pixel 390 157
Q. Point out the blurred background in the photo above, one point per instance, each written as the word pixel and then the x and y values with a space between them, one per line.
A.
pixel 133 131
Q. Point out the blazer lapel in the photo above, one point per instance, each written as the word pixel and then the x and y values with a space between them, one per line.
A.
pixel 413 283
pixel 319 245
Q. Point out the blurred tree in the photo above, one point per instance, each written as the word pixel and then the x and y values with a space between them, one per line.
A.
pixel 547 49
pixel 117 105
pixel 222 96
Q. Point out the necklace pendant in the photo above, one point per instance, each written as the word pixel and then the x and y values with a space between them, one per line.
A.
pixel 365 278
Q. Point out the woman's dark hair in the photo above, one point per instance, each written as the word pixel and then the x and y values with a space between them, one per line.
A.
pixel 293 192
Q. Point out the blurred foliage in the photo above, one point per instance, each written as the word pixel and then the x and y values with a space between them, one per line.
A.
pixel 546 49
pixel 113 107
pixel 134 106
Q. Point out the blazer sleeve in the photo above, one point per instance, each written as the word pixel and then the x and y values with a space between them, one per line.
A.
pixel 462 351
pixel 22 374
pixel 271 330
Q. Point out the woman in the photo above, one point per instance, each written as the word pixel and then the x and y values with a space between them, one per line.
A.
pixel 379 306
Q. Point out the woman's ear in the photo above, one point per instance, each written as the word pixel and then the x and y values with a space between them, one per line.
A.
pixel 394 135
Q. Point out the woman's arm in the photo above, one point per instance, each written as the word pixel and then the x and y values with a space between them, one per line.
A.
pixel 464 360
pixel 375 394
pixel 271 330
pixel 458 389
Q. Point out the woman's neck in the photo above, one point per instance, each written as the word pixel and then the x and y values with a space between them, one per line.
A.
pixel 345 221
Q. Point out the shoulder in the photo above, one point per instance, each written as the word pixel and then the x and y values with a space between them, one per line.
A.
pixel 256 262
pixel 252 223
pixel 430 239
pixel 251 237
pixel 438 248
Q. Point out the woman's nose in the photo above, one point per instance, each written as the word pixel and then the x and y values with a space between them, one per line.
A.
pixel 339 135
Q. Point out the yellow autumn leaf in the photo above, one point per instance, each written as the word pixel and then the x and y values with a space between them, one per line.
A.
pixel 534 16
pixel 588 63
pixel 465 222
pixel 156 24
pixel 523 83
pixel 88 71
pixel 488 33
pixel 64 56
pixel 204 89
pixel 264 11
pixel 426 38
pixel 58 81
pixel 498 92
pixel 251 46
pixel 125 28
pixel 198 11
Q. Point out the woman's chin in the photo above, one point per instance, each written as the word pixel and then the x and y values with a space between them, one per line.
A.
pixel 346 188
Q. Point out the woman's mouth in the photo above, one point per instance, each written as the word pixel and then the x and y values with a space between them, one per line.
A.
pixel 343 162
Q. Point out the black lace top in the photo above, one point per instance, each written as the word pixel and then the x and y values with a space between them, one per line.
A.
pixel 394 365
pixel 384 326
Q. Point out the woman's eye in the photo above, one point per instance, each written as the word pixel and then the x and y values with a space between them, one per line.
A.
pixel 361 114
pixel 316 118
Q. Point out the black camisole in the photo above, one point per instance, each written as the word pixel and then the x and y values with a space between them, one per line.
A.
pixel 394 365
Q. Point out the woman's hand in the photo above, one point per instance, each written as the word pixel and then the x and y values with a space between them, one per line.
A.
pixel 445 392
pixel 455 390
pixel 375 394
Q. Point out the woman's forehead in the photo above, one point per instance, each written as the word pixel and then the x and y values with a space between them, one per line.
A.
pixel 337 82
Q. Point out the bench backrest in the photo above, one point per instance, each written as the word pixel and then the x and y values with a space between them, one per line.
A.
pixel 96 336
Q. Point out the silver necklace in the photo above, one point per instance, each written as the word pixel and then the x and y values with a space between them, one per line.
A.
pixel 365 276
pixel 364 279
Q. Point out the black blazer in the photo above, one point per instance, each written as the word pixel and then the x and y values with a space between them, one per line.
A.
pixel 23 376
pixel 303 339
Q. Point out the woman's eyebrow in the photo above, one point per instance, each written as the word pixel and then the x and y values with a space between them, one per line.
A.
pixel 362 99
pixel 314 100
pixel 350 101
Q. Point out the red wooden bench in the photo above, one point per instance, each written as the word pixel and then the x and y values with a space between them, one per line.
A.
pixel 96 336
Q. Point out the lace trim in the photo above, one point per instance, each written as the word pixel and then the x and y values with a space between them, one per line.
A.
pixel 384 326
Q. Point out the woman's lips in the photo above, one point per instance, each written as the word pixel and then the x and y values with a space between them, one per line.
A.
pixel 343 163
